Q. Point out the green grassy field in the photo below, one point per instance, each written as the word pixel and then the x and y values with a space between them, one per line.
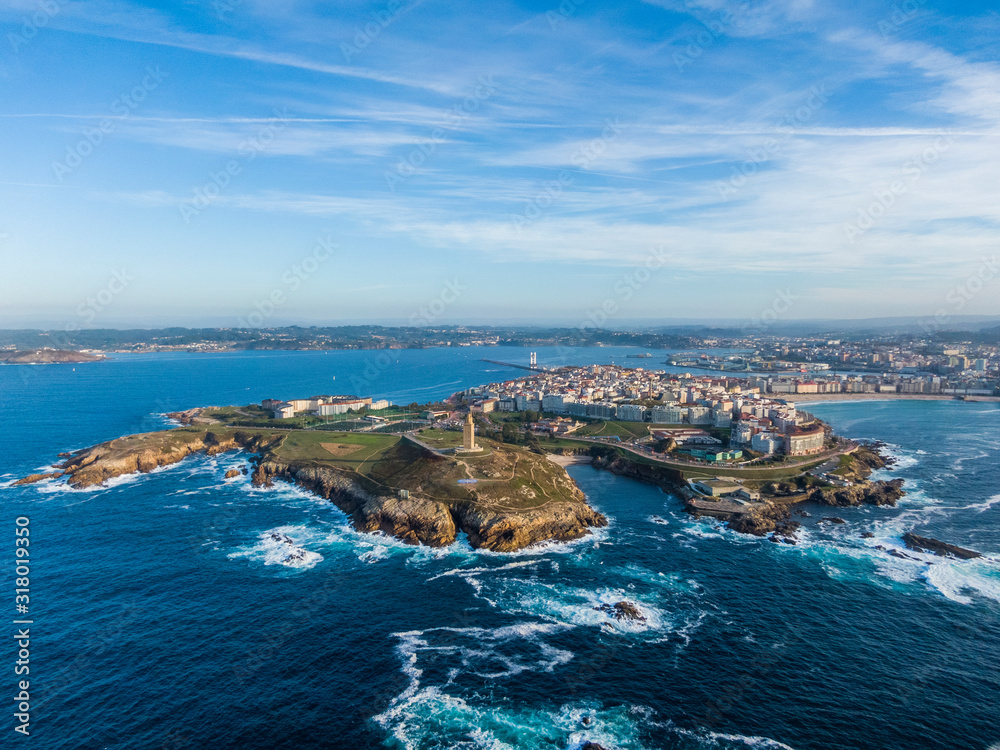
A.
pixel 566 444
pixel 624 430
pixel 359 450
pixel 441 438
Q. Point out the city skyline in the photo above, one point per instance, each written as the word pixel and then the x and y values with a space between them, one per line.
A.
pixel 201 164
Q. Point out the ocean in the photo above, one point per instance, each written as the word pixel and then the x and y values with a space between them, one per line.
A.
pixel 163 617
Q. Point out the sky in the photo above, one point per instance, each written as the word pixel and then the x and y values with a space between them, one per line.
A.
pixel 241 162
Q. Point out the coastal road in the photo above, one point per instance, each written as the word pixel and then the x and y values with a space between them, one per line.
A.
pixel 687 465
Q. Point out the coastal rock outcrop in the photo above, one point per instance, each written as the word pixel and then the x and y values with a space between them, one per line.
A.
pixel 623 610
pixel 881 492
pixel 148 451
pixel 413 520
pixel 934 546
pixel 764 520
pixel 33 478
pixel 503 531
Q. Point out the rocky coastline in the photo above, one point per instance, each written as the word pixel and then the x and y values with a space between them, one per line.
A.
pixel 773 514
pixel 411 518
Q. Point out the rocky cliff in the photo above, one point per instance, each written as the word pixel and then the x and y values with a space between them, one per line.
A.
pixel 418 520
pixel 507 531
pixel 661 476
pixel 415 519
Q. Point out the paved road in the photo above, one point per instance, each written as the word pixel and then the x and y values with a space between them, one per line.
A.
pixel 675 464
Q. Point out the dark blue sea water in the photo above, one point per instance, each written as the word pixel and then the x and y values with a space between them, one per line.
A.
pixel 162 619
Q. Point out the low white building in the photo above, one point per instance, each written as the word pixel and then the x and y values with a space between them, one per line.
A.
pixel 284 411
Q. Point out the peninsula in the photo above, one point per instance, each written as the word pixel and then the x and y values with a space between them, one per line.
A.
pixel 422 474
pixel 48 357
pixel 413 486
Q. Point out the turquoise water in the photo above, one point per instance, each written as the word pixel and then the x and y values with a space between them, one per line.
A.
pixel 165 619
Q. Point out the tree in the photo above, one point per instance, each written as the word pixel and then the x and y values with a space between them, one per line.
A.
pixel 511 433
pixel 530 415
pixel 666 445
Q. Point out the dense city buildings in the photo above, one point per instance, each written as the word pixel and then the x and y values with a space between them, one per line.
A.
pixel 677 402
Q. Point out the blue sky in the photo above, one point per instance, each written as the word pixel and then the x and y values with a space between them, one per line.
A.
pixel 229 161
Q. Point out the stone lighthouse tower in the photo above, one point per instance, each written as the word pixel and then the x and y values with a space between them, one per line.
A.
pixel 469 434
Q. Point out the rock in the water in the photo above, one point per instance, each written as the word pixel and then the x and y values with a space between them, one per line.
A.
pixel 868 535
pixel 864 493
pixel 232 473
pixel 37 478
pixel 934 546
pixel 591 746
pixel 622 610
pixel 762 521
pixel 832 519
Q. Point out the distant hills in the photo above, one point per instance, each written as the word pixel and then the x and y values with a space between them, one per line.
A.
pixel 660 334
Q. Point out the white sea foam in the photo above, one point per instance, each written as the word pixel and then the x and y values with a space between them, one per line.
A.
pixel 281 546
pixel 959 463
pixel 438 716
pixel 983 506
pixel 466 571
pixel 961 581
pixel 715 739
pixel 885 554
